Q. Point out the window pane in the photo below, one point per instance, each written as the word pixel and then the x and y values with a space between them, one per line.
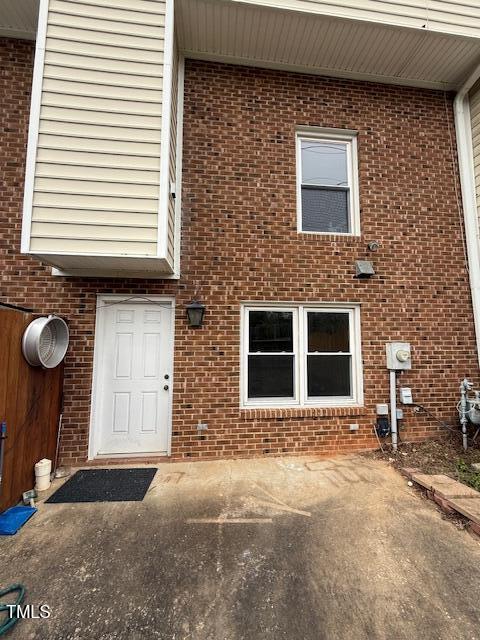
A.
pixel 324 163
pixel 328 331
pixel 270 376
pixel 329 376
pixel 270 331
pixel 325 210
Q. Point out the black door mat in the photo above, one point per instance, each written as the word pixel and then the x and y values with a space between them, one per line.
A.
pixel 105 485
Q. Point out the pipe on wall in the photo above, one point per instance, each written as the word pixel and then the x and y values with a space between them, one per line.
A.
pixel 393 409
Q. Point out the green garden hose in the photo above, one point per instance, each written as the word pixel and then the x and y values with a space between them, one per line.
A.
pixel 11 619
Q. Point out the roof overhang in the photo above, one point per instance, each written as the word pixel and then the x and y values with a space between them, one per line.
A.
pixel 18 19
pixel 271 37
pixel 267 36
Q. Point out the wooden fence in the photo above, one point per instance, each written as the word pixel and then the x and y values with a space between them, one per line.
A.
pixel 30 404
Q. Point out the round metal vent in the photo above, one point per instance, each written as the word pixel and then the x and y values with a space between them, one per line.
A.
pixel 45 342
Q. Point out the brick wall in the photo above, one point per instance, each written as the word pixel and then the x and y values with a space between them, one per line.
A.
pixel 240 243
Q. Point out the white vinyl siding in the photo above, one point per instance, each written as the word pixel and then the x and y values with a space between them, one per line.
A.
pixel 172 168
pixel 475 120
pixel 97 168
pixel 445 16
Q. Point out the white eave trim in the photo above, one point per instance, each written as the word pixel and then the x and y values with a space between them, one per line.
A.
pixel 317 71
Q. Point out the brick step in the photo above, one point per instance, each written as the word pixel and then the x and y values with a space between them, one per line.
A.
pixel 449 494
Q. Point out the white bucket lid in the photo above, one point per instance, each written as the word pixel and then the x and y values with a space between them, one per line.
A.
pixel 43 463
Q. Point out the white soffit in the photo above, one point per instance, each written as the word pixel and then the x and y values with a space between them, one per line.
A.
pixel 18 18
pixel 270 37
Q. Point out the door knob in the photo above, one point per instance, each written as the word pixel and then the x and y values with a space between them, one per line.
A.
pixel 166 387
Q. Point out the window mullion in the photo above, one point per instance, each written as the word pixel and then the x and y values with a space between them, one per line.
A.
pixel 302 374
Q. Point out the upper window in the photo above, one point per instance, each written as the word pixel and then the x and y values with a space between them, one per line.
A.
pixel 301 356
pixel 327 182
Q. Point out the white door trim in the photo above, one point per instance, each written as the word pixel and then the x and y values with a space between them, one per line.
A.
pixel 105 299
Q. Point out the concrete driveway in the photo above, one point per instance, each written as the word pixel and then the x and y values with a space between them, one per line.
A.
pixel 292 548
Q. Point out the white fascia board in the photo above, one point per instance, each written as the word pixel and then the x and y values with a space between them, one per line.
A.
pixel 33 125
pixel 319 71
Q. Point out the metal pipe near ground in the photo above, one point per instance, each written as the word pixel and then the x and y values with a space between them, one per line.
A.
pixel 464 388
pixel 393 409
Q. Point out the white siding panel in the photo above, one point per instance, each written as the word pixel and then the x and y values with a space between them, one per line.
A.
pixel 90 187
pixel 99 37
pixel 100 117
pixel 475 119
pixel 118 52
pixel 173 157
pixel 146 6
pixel 118 147
pixel 65 159
pixel 65 201
pixel 106 26
pixel 131 107
pixel 74 87
pixel 107 132
pixel 78 74
pixel 95 217
pixel 59 230
pixel 100 174
pixel 116 13
pixel 98 155
pixel 76 61
pixel 86 246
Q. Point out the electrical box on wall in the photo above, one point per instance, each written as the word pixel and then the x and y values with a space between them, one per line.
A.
pixel 382 409
pixel 399 356
pixel 406 395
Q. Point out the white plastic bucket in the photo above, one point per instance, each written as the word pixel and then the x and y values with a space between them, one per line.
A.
pixel 43 469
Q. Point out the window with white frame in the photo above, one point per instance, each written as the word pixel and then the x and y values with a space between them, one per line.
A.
pixel 301 356
pixel 327 182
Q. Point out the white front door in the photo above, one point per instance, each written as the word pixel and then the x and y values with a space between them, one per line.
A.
pixel 133 377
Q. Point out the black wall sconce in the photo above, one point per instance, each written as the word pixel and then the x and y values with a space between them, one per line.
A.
pixel 195 313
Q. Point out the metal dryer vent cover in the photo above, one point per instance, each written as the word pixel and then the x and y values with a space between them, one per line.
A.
pixel 45 342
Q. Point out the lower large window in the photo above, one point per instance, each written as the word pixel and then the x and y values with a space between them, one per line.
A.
pixel 301 356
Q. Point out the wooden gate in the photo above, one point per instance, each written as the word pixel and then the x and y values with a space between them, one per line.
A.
pixel 30 404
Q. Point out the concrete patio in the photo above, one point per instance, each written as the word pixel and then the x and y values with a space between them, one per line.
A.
pixel 291 548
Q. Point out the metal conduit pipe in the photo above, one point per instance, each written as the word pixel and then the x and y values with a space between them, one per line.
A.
pixel 393 409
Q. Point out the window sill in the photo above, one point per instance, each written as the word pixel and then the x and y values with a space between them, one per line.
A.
pixel 331 234
pixel 260 413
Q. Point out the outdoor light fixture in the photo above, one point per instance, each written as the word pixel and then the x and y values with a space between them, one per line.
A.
pixel 195 313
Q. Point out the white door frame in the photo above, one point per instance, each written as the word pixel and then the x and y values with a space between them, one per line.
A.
pixel 112 298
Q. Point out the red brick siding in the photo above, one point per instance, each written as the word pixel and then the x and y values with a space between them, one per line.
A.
pixel 240 243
